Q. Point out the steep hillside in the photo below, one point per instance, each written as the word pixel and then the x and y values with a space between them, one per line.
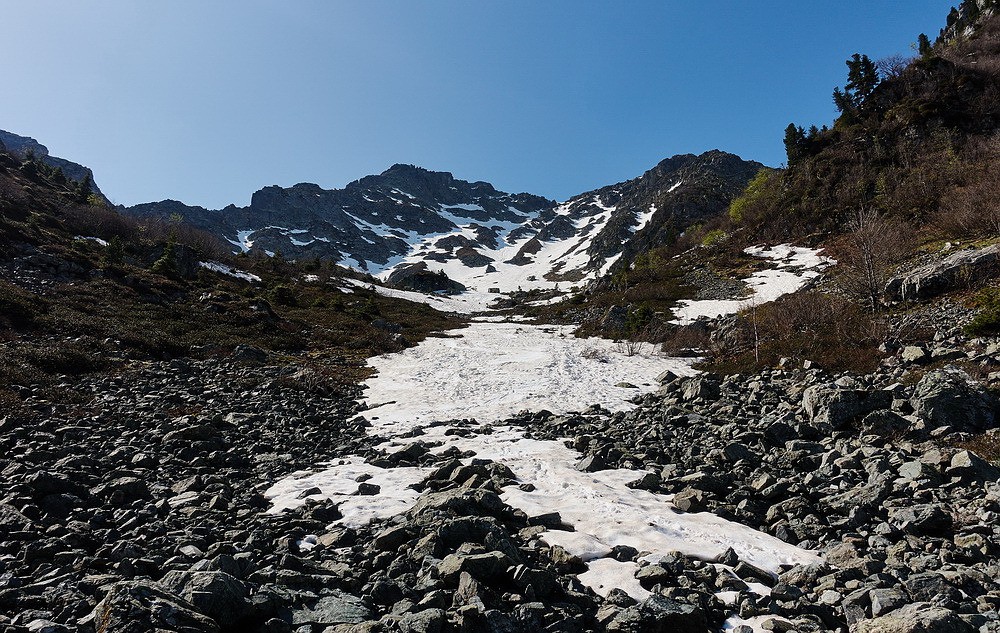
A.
pixel 84 289
pixel 916 141
pixel 408 223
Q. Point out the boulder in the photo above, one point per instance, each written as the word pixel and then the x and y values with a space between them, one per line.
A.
pixel 328 610
pixel 948 397
pixel 837 406
pixel 659 614
pixel 959 269
pixel 136 606
pixel 970 467
pixel 919 617
pixel 217 594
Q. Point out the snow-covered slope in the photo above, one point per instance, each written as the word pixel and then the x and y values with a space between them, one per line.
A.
pixel 427 230
pixel 491 370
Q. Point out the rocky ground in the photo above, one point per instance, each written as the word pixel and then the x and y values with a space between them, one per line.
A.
pixel 140 508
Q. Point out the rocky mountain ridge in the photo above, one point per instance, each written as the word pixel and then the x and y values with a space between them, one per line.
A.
pixel 24 146
pixel 409 220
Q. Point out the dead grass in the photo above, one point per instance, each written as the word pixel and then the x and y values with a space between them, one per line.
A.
pixel 986 445
pixel 832 332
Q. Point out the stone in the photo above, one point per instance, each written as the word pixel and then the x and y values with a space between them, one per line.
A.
pixel 142 603
pixel 949 398
pixel 700 387
pixel 970 467
pixel 961 268
pixel 829 404
pixel 914 354
pixel 927 519
pixel 658 614
pixel 886 600
pixel 214 593
pixel 591 464
pixel 426 621
pixel 330 609
pixel 690 500
pixel 919 617
pixel 917 470
pixel 482 567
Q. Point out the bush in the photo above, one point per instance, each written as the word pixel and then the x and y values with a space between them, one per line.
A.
pixel 283 295
pixel 987 320
pixel 757 196
pixel 713 237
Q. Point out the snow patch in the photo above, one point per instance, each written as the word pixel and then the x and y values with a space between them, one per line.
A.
pixel 797 266
pixel 92 239
pixel 228 270
pixel 489 370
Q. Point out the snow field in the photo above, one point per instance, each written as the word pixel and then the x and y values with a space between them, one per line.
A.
pixel 492 369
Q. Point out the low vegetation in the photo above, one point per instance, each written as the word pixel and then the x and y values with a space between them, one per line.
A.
pixel 831 332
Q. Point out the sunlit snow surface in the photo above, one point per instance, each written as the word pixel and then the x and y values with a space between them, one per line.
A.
pixel 605 512
pixel 490 370
pixel 796 266
pixel 229 270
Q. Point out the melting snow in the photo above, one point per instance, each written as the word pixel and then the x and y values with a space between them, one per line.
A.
pixel 465 303
pixel 486 372
pixel 228 270
pixel 92 239
pixel 490 370
pixel 243 240
pixel 797 266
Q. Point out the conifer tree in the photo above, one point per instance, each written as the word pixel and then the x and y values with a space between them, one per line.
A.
pixel 924 46
pixel 83 190
pixel 795 139
pixel 862 79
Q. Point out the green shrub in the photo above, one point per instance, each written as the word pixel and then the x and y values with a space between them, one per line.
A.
pixel 283 295
pixel 987 320
pixel 713 237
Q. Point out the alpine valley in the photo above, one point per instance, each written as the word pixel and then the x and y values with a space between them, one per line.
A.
pixel 719 396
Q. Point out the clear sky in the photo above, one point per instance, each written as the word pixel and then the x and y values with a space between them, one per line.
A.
pixel 206 101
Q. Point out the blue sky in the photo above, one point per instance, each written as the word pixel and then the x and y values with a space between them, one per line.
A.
pixel 207 101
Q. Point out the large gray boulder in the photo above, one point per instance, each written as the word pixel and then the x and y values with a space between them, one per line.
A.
pixel 838 406
pixel 920 617
pixel 217 594
pixel 948 397
pixel 137 606
pixel 659 614
pixel 336 608
pixel 960 269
